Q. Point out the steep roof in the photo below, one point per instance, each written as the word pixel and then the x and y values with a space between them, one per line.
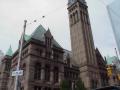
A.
pixel 39 34
pixel 27 37
pixel 9 52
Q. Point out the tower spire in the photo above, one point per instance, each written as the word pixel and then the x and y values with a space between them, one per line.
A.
pixel 9 52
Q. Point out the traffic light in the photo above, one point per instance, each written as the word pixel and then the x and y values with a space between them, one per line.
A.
pixel 109 71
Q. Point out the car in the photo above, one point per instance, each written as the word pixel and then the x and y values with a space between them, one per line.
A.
pixel 109 88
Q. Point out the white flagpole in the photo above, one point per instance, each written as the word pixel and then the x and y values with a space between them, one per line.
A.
pixel 19 57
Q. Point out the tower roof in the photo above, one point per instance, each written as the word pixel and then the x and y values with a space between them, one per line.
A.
pixel 27 37
pixel 39 34
pixel 9 52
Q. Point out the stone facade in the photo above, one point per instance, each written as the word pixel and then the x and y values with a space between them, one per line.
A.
pixel 45 64
pixel 5 72
pixel 82 43
pixel 102 66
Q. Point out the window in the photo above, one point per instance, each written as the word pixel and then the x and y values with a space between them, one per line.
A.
pixel 8 65
pixel 47 88
pixel 81 15
pixel 48 54
pixel 40 52
pixel 22 88
pixel 47 73
pixel 55 56
pixel 37 74
pixel 48 42
pixel 94 84
pixel 37 88
pixel 71 19
pixel 24 69
pixel 56 74
pixel 56 89
pixel 76 17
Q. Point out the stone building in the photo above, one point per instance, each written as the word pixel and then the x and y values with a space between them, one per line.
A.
pixel 45 64
pixel 102 66
pixel 5 69
pixel 82 43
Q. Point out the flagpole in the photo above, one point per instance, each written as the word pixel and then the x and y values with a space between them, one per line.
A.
pixel 20 54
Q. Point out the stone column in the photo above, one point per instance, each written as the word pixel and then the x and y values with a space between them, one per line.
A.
pixel 43 72
pixel 51 74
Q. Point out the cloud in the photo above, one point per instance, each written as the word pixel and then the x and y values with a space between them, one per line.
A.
pixel 13 13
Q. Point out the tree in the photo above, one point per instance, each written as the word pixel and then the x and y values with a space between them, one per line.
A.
pixel 80 85
pixel 64 85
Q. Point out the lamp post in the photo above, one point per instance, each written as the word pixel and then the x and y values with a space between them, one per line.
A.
pixel 19 57
pixel 16 73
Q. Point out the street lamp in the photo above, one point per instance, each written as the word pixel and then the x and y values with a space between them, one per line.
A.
pixel 19 72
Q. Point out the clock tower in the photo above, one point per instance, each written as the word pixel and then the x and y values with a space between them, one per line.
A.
pixel 83 49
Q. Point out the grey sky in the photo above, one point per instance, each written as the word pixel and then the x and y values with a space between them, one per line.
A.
pixel 13 13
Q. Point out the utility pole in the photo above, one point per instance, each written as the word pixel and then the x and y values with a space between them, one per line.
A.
pixel 19 57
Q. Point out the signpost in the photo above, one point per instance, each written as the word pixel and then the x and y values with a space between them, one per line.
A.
pixel 17 73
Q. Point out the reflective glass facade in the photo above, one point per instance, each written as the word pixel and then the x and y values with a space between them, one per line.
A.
pixel 114 14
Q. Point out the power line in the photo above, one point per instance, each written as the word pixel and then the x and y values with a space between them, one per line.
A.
pixel 47 14
pixel 55 10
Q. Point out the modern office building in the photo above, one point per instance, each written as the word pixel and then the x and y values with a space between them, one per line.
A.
pixel 114 15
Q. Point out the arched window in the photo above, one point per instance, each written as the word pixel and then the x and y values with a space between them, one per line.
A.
pixel 73 18
pixel 81 15
pixel 76 17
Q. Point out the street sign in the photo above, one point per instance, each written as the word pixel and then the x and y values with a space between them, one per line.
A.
pixel 17 73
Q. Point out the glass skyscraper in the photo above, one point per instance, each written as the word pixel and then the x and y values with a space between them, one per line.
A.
pixel 114 14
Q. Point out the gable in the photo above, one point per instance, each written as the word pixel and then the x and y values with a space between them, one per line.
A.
pixel 39 34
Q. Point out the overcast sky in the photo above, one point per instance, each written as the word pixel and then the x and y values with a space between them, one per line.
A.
pixel 13 13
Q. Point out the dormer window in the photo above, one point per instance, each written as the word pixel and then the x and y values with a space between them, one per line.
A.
pixel 48 39
pixel 48 42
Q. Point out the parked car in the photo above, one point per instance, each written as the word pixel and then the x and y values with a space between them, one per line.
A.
pixel 109 88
